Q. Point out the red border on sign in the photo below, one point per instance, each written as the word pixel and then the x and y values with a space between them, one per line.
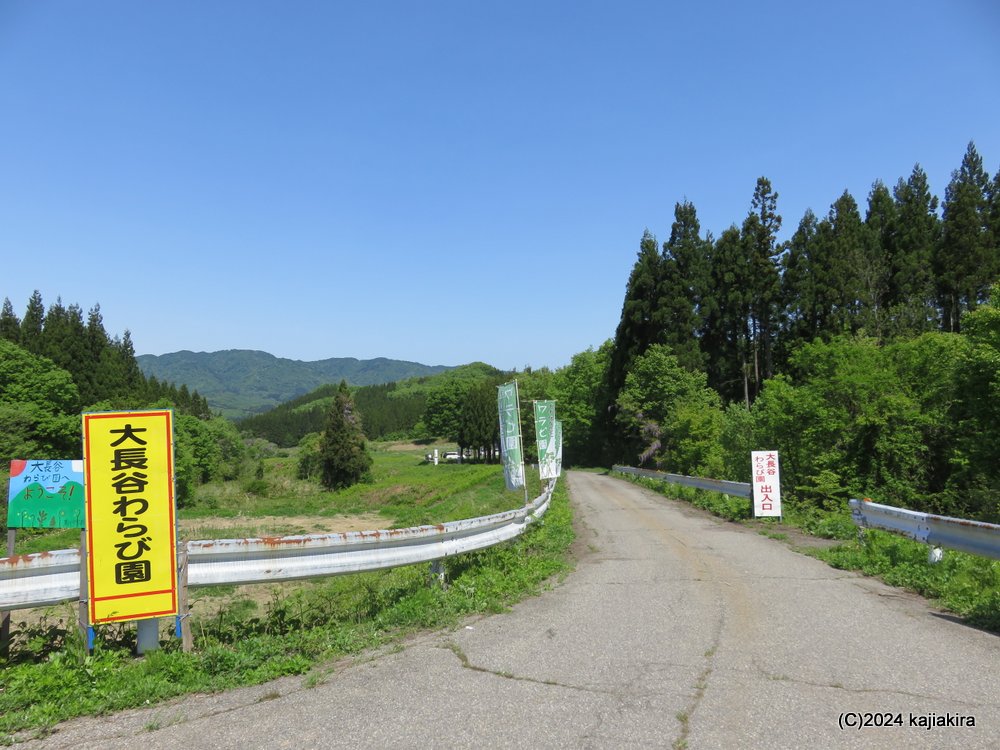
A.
pixel 90 522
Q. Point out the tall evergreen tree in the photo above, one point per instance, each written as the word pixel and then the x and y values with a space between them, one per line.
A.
pixel 798 289
pixel 684 285
pixel 344 459
pixel 910 298
pixel 760 241
pixel 840 263
pixel 727 315
pixel 96 343
pixel 31 324
pixel 880 225
pixel 479 428
pixel 10 324
pixel 640 326
pixel 993 220
pixel 965 263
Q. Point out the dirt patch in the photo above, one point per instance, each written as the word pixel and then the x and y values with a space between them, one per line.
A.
pixel 261 526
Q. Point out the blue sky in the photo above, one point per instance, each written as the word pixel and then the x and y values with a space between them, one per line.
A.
pixel 443 182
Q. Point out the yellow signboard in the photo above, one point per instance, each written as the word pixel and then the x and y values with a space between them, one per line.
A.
pixel 131 528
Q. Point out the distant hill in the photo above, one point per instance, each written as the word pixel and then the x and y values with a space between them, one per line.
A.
pixel 241 382
pixel 388 410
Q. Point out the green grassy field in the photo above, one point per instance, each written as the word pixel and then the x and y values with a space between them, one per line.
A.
pixel 243 638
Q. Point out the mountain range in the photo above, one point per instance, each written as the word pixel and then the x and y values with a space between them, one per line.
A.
pixel 242 382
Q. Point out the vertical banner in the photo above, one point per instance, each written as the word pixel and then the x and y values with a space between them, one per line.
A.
pixel 545 438
pixel 766 483
pixel 510 435
pixel 558 434
pixel 128 461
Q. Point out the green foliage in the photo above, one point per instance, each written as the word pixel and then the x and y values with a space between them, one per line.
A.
pixel 53 679
pixel 670 414
pixel 343 457
pixel 391 410
pixel 205 451
pixel 577 390
pixel 967 259
pixel 965 584
pixel 53 365
pixel 478 426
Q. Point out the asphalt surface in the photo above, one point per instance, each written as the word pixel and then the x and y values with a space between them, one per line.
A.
pixel 676 630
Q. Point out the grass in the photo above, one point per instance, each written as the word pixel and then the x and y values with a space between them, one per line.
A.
pixel 51 678
pixel 967 585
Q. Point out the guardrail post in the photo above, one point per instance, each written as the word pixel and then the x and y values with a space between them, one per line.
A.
pixel 5 623
pixel 83 614
pixel 437 574
pixel 183 607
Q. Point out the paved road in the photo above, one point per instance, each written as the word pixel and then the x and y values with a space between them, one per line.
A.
pixel 675 631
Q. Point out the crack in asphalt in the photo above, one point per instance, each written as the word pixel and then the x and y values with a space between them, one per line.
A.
pixel 467 664
pixel 866 691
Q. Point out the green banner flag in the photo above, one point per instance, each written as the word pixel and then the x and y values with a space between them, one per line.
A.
pixel 545 437
pixel 510 435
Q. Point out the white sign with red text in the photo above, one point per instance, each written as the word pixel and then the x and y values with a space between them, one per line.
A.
pixel 766 482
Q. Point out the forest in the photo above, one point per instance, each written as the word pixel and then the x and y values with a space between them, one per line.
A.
pixel 865 349
pixel 56 364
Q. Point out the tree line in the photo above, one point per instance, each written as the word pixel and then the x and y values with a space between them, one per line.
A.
pixel 56 363
pixel 738 307
pixel 865 348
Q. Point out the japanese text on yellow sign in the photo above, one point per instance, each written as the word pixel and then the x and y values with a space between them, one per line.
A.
pixel 131 532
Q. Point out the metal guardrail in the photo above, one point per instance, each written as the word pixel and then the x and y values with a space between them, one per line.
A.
pixel 974 537
pixel 740 489
pixel 46 578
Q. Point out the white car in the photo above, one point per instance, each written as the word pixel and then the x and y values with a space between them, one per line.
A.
pixel 451 456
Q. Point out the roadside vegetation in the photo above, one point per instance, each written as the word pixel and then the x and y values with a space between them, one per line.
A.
pixel 966 585
pixel 865 350
pixel 242 638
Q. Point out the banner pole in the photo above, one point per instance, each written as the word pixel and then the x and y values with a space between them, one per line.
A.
pixel 520 438
pixel 84 616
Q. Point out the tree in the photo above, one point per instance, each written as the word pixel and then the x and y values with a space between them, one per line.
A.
pixel 31 324
pixel 38 407
pixel 479 427
pixel 669 413
pixel 10 324
pixel 727 315
pixel 683 287
pixel 640 326
pixel 578 391
pixel 344 459
pixel 976 482
pixel 965 264
pixel 850 275
pixel 873 256
pixel 760 240
pixel 915 232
